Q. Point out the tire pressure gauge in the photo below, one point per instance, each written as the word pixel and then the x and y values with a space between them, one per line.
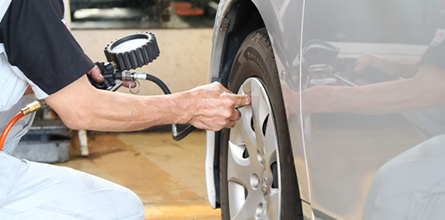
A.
pixel 124 54
pixel 127 53
pixel 132 51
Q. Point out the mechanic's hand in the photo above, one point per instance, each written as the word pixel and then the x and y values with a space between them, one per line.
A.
pixel 96 75
pixel 364 62
pixel 213 107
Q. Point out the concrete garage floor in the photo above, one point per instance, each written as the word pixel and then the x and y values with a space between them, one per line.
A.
pixel 167 175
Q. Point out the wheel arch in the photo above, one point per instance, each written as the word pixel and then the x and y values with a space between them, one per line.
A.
pixel 241 17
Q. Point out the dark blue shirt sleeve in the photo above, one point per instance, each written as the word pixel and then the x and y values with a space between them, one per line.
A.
pixel 435 55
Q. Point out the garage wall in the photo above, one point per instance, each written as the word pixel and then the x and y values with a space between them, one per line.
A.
pixel 182 64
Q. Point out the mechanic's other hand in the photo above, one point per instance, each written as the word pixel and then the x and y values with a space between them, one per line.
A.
pixel 364 62
pixel 96 75
pixel 213 107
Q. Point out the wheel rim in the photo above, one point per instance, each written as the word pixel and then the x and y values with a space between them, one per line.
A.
pixel 253 162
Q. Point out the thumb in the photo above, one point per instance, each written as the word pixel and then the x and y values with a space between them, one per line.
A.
pixel 96 74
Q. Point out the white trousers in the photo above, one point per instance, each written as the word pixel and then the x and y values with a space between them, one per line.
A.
pixel 30 190
pixel 37 191
pixel 411 185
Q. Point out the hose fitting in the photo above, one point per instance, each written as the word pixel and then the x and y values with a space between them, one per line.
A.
pixel 33 106
pixel 30 108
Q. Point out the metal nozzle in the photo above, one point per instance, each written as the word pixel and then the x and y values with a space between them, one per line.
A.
pixel 126 76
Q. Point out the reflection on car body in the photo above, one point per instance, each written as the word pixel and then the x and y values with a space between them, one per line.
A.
pixel 363 89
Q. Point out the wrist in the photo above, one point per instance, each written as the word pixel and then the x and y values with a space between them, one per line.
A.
pixel 184 105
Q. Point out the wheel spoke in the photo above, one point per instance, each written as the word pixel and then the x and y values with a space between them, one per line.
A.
pixel 269 139
pixel 273 210
pixel 250 207
pixel 239 169
pixel 244 128
pixel 249 136
pixel 260 111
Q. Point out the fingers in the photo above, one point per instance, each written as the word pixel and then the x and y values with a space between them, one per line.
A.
pixel 237 101
pixel 205 126
pixel 218 121
pixel 96 74
pixel 236 115
pixel 359 67
pixel 242 100
pixel 231 121
pixel 212 127
pixel 218 107
pixel 230 124
pixel 128 84
pixel 363 63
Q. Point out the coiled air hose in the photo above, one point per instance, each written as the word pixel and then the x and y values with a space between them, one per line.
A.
pixel 112 76
pixel 175 135
pixel 131 52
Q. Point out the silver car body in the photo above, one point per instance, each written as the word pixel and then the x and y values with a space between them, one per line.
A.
pixel 336 154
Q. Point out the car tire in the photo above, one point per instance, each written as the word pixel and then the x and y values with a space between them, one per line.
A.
pixel 270 189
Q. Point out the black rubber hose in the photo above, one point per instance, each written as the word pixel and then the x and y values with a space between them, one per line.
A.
pixel 175 135
pixel 158 82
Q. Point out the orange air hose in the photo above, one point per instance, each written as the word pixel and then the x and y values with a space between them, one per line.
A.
pixel 8 128
pixel 30 108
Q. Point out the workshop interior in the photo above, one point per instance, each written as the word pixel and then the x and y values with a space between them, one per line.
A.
pixel 342 118
pixel 147 42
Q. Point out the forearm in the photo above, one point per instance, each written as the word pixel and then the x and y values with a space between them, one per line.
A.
pixel 94 109
pixel 125 112
pixel 404 68
pixel 421 91
pixel 209 107
pixel 360 100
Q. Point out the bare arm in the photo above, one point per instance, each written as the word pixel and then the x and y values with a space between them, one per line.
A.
pixel 81 106
pixel 423 90
pixel 393 66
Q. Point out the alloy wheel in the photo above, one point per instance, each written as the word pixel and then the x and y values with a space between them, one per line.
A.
pixel 253 168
